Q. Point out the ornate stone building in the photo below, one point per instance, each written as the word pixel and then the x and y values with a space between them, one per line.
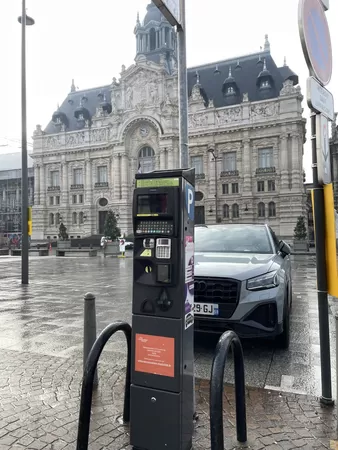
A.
pixel 246 140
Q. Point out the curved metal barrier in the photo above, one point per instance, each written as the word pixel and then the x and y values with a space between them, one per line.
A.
pixel 88 379
pixel 227 340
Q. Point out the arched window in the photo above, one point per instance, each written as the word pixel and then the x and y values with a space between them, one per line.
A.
pixel 272 209
pixel 74 218
pixel 57 219
pixel 261 209
pixel 146 159
pixel 51 219
pixel 235 211
pixel 81 218
pixel 226 211
pixel 152 39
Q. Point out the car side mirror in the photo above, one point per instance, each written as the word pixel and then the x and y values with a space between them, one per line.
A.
pixel 284 248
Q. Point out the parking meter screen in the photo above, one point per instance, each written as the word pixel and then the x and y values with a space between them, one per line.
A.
pixel 152 204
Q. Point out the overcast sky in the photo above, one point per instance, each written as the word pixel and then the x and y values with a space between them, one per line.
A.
pixel 90 40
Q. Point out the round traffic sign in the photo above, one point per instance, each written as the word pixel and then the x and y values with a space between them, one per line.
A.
pixel 316 41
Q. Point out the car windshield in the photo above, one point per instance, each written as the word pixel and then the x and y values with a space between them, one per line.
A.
pixel 232 239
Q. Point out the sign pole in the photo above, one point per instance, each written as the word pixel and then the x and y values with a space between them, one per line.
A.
pixel 323 306
pixel 183 89
pixel 316 43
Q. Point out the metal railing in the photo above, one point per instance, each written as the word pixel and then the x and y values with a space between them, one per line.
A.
pixel 227 340
pixel 88 380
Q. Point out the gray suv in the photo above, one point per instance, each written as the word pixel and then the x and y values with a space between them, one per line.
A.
pixel 242 281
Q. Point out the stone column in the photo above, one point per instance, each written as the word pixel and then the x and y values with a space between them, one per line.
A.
pixel 43 184
pixel 112 175
pixel 246 161
pixel 117 178
pixel 88 182
pixel 296 163
pixel 37 185
pixel 4 195
pixel 162 159
pixel 65 184
pixel 283 151
pixel 124 176
pixel 170 158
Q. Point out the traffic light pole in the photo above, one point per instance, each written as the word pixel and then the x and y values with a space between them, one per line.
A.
pixel 323 306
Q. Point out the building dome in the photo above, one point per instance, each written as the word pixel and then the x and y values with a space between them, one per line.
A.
pixel 153 13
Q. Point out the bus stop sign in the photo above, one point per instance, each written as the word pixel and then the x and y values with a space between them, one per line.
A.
pixel 315 38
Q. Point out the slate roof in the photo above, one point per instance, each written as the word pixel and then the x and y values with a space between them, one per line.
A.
pixel 12 161
pixel 245 71
pixel 72 102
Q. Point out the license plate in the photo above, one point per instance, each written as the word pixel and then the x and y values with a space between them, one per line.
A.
pixel 206 309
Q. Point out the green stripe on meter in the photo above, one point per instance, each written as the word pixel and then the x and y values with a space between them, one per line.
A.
pixel 157 182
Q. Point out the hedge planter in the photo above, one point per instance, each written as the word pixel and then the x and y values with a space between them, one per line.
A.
pixel 62 245
pixel 300 246
pixel 111 249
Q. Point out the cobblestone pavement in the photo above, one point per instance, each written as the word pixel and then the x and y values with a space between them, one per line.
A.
pixel 39 401
pixel 46 318
pixel 41 334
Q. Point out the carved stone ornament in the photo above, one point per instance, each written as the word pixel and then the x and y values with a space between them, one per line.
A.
pixel 264 110
pixel 288 88
pixel 229 116
pixel 245 97
pixel 196 94
pixel 38 131
pixel 78 139
pixel 198 120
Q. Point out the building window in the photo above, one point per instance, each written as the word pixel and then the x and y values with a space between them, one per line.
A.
pixel 146 159
pixel 272 209
pixel 225 189
pixel 81 198
pixel 234 188
pixel 265 84
pixel 57 200
pixel 271 185
pixel 74 218
pixel 55 178
pixel 81 218
pixel 235 211
pixel 78 176
pixel 229 161
pixel 261 210
pixel 102 176
pixel 226 211
pixel 51 219
pixel 230 90
pixel 74 199
pixel 51 201
pixel 152 39
pixel 57 219
pixel 265 158
pixel 260 186
pixel 197 164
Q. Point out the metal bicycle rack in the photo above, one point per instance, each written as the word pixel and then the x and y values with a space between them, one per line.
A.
pixel 227 340
pixel 88 379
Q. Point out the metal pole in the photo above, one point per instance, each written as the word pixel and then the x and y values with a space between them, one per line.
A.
pixel 89 330
pixel 183 91
pixel 323 306
pixel 24 174
pixel 216 190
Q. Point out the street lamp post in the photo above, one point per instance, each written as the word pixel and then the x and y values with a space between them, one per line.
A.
pixel 215 156
pixel 24 20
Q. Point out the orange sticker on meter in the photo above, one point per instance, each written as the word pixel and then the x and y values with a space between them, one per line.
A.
pixel 155 354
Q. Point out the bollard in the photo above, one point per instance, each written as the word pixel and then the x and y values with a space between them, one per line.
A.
pixel 89 330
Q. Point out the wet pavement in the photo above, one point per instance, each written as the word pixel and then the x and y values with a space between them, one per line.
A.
pixel 41 335
pixel 46 318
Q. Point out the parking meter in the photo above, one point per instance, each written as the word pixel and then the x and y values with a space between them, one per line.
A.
pixel 162 385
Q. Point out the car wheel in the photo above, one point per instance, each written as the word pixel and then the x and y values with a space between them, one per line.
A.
pixel 283 340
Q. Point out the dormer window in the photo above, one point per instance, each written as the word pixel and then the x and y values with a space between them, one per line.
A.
pixel 265 84
pixel 230 90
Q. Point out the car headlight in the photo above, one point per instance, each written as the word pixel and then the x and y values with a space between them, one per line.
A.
pixel 267 281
